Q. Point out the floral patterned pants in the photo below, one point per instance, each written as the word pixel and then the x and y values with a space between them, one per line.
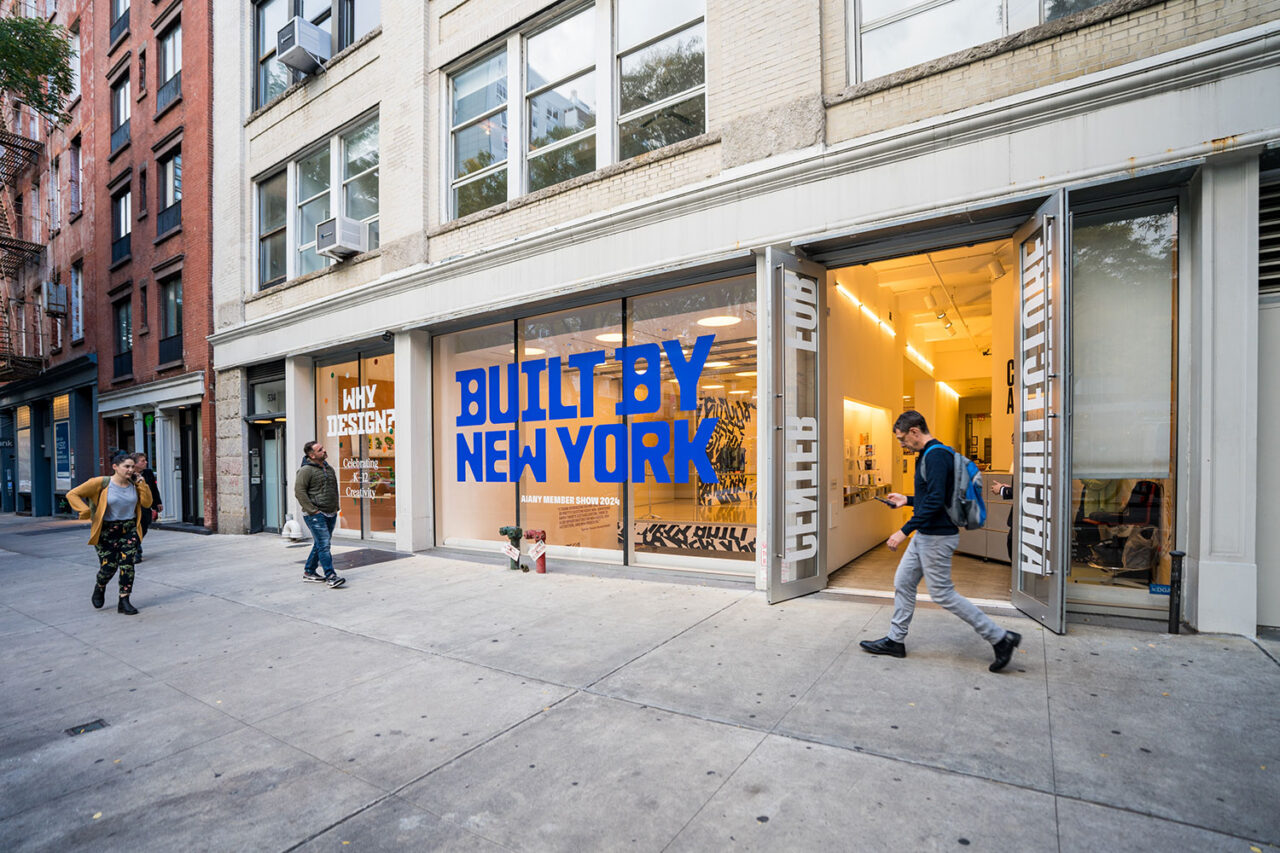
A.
pixel 117 549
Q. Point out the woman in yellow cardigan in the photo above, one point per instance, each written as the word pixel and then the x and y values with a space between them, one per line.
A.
pixel 115 504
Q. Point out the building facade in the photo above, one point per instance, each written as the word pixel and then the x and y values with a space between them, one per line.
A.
pixel 48 344
pixel 155 389
pixel 655 279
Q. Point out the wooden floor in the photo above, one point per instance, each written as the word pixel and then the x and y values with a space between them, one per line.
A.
pixel 973 577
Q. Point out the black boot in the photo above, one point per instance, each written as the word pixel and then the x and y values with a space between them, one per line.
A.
pixel 1004 650
pixel 125 607
pixel 99 595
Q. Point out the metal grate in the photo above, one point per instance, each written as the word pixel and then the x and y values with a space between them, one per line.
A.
pixel 92 726
pixel 1269 238
pixel 363 557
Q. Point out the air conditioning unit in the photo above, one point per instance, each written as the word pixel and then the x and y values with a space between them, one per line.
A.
pixel 55 298
pixel 341 237
pixel 302 46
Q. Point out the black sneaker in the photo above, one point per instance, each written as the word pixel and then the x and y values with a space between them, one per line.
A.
pixel 312 577
pixel 1004 650
pixel 884 646
pixel 334 581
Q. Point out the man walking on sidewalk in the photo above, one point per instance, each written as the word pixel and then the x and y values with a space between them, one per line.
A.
pixel 316 489
pixel 143 467
pixel 929 553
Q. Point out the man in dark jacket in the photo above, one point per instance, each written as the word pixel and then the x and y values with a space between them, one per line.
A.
pixel 929 554
pixel 316 489
pixel 143 467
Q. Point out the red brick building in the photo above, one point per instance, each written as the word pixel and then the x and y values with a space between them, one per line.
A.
pixel 48 316
pixel 152 81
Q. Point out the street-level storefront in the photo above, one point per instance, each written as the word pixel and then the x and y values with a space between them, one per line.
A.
pixel 162 419
pixel 47 437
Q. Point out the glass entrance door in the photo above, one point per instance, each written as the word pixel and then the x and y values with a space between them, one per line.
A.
pixel 1041 503
pixel 794 547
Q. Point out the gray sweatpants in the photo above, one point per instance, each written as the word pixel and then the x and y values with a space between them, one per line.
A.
pixel 929 557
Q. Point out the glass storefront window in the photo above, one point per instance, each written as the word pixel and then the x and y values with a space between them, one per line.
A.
pixel 634 436
pixel 1124 403
pixel 355 412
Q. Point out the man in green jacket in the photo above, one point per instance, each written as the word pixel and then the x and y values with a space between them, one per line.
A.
pixel 316 488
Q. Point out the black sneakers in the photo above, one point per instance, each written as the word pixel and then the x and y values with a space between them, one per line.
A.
pixel 1004 650
pixel 334 581
pixel 884 646
pixel 312 577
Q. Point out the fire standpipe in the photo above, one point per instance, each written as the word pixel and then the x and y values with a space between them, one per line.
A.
pixel 538 551
pixel 513 549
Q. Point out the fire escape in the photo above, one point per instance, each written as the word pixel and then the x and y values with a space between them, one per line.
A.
pixel 18 153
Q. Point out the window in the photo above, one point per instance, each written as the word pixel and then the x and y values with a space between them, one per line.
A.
pixel 171 306
pixel 661 74
pixel 77 301
pixel 170 66
pixel 142 72
pixel 313 207
pixel 120 112
pixel 654 96
pixel 360 177
pixel 889 35
pixel 122 336
pixel 170 215
pixel 76 175
pixel 55 195
pixel 355 19
pixel 560 105
pixel 142 190
pixel 272 236
pixel 75 61
pixel 35 212
pixel 121 225
pixel 339 176
pixel 119 19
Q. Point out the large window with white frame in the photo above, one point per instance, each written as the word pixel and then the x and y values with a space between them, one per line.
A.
pixel 889 35
pixel 654 95
pixel 354 20
pixel 338 176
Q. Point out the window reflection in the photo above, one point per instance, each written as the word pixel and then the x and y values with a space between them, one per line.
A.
pixel 1124 404
pixel 561 107
pixel 654 74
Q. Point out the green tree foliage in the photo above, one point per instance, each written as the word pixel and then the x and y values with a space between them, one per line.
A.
pixel 1054 9
pixel 35 64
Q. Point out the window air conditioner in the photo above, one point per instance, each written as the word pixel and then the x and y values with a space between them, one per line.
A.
pixel 55 298
pixel 302 46
pixel 341 237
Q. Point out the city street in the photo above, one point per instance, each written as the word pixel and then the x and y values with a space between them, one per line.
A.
pixel 441 703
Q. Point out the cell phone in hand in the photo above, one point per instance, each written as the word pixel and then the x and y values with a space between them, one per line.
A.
pixel 886 501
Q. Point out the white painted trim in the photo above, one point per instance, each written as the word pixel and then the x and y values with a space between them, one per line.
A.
pixel 173 391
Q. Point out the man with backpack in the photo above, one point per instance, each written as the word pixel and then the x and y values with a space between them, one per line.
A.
pixel 934 522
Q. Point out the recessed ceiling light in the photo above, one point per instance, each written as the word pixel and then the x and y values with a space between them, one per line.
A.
pixel 746 373
pixel 739 392
pixel 717 364
pixel 610 337
pixel 712 387
pixel 753 342
pixel 529 351
pixel 720 320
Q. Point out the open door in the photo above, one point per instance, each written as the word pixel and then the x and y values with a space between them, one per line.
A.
pixel 796 529
pixel 1041 499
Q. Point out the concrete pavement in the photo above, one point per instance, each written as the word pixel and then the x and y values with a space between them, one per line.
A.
pixel 443 703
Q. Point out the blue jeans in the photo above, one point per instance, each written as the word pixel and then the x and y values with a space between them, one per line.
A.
pixel 321 527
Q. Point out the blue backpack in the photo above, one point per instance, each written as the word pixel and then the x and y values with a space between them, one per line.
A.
pixel 967 509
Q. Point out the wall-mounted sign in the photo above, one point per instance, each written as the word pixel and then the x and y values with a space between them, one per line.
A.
pixel 611 452
pixel 62 454
pixel 1035 462
pixel 800 424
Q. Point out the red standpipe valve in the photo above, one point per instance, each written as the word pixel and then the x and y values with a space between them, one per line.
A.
pixel 539 538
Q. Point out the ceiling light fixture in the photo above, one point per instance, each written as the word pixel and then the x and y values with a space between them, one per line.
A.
pixel 995 268
pixel 712 387
pixel 914 355
pixel 719 320
pixel 717 364
pixel 746 373
pixel 610 337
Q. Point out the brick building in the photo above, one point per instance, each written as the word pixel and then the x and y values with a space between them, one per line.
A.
pixel 152 175
pixel 48 343
pixel 655 278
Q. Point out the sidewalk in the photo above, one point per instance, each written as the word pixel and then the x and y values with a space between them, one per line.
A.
pixel 444 704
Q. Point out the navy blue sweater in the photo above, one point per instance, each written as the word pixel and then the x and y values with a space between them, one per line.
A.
pixel 933 494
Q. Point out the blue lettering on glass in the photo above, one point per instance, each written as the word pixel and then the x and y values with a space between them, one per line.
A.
pixel 617 451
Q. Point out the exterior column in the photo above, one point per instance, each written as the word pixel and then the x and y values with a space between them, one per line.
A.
pixel 300 422
pixel 139 431
pixel 415 472
pixel 165 464
pixel 1220 397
